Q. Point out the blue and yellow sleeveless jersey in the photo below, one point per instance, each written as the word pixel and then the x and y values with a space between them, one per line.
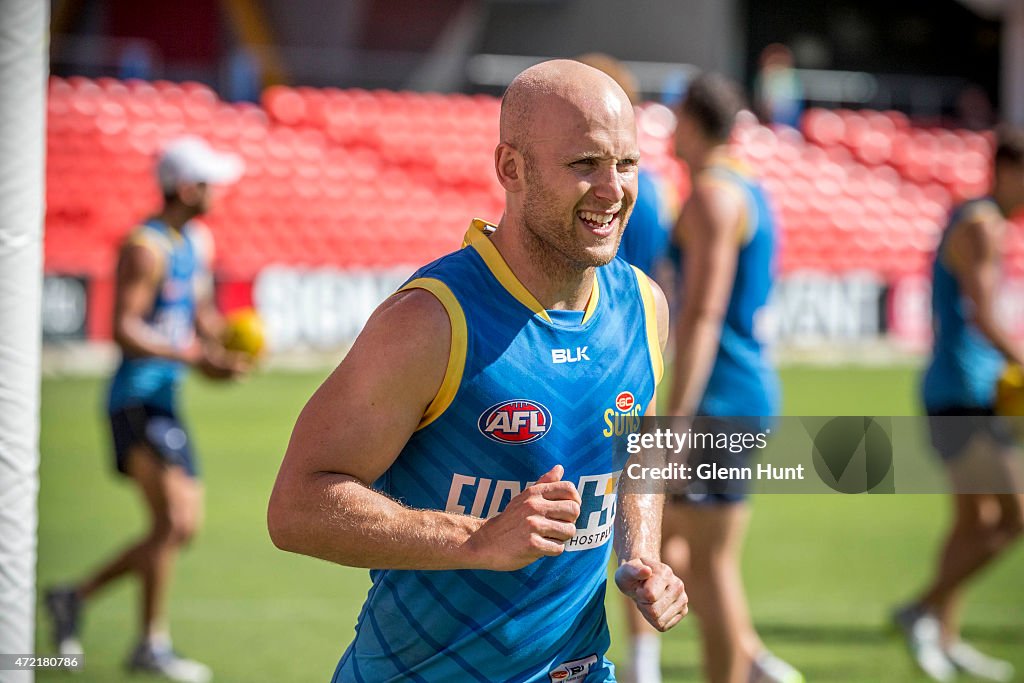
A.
pixel 964 366
pixel 153 381
pixel 743 381
pixel 524 391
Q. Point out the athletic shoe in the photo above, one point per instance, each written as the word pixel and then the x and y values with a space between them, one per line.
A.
pixel 165 662
pixel 767 668
pixel 973 663
pixel 923 636
pixel 65 608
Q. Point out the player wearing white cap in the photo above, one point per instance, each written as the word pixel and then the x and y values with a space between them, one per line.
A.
pixel 165 320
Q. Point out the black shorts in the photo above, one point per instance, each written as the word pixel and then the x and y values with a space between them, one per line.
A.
pixel 715 491
pixel 158 428
pixel 953 427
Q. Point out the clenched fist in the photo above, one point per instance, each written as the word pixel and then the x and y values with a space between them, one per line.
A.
pixel 657 592
pixel 536 523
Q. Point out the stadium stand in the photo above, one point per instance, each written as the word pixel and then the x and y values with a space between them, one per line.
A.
pixel 371 179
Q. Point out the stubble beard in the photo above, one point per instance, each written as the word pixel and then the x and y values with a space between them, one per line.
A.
pixel 551 239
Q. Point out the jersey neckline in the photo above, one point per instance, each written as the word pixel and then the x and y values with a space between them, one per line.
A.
pixel 478 237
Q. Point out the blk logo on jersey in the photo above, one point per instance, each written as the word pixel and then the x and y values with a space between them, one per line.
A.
pixel 569 355
pixel 515 422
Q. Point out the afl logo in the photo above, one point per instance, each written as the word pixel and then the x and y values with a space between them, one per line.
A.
pixel 559 675
pixel 624 402
pixel 515 422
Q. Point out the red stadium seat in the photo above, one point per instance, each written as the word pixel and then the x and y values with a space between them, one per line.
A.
pixel 823 127
pixel 285 105
pixel 329 169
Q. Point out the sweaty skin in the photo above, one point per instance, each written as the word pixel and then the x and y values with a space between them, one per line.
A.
pixel 568 162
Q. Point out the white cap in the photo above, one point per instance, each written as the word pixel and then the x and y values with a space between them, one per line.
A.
pixel 190 159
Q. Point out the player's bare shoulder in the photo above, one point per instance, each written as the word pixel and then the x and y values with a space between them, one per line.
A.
pixel 977 237
pixel 391 375
pixel 712 210
pixel 404 346
pixel 142 257
pixel 418 314
pixel 140 268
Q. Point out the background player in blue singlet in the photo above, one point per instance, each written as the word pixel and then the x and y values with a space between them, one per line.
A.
pixel 463 450
pixel 971 349
pixel 165 320
pixel 726 234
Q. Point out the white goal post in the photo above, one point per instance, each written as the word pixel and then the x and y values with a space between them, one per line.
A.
pixel 23 76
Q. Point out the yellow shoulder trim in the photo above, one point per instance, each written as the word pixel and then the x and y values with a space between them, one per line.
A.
pixel 478 228
pixel 160 246
pixel 651 322
pixel 151 239
pixel 981 210
pixel 724 157
pixel 456 355
pixel 595 295
pixel 978 211
pixel 744 232
pixel 476 237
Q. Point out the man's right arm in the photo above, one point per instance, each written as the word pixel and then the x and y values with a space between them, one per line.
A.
pixel 352 430
pixel 973 252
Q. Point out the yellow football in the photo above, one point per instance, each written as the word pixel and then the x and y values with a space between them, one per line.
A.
pixel 244 332
pixel 1010 391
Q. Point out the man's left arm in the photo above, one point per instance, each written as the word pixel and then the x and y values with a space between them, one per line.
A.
pixel 209 322
pixel 642 576
pixel 210 325
pixel 208 319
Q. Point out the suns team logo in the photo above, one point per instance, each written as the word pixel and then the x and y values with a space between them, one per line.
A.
pixel 625 417
pixel 515 422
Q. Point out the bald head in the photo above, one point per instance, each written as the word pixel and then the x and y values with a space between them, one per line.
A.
pixel 568 161
pixel 550 90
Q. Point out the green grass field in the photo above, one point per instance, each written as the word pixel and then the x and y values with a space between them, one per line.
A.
pixel 821 571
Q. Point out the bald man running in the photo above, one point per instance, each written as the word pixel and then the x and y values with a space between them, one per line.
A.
pixel 463 449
